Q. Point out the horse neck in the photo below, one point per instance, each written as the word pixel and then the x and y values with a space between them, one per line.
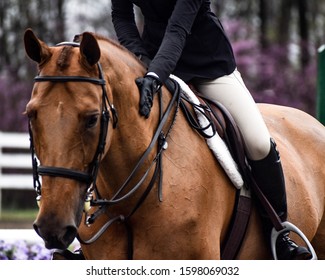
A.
pixel 129 140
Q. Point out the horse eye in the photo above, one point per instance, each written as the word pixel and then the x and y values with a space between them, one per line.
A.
pixel 91 121
pixel 31 115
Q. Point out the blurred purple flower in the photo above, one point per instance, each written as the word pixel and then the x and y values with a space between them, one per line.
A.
pixel 14 95
pixel 39 252
pixel 270 75
pixel 23 250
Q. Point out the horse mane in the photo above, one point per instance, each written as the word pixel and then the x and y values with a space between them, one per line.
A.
pixel 118 45
pixel 99 37
pixel 64 59
pixel 109 40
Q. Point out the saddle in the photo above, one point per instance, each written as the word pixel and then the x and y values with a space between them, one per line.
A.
pixel 223 124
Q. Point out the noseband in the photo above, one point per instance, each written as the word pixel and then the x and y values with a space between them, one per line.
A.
pixel 90 176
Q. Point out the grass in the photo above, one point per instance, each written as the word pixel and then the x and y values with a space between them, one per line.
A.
pixel 18 214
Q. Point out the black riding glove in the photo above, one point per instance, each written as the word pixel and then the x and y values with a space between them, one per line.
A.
pixel 148 86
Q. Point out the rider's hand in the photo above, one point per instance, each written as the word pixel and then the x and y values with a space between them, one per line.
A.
pixel 148 86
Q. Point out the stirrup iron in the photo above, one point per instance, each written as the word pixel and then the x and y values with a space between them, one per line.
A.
pixel 287 226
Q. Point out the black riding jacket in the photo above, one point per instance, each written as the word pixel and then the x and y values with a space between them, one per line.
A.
pixel 183 37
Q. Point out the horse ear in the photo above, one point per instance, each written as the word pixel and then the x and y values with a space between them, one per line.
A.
pixel 35 48
pixel 89 48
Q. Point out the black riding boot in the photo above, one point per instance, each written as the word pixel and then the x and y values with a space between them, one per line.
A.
pixel 268 175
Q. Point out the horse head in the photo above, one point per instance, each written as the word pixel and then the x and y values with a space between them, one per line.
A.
pixel 69 116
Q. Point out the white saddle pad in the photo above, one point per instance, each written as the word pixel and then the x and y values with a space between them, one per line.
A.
pixel 215 143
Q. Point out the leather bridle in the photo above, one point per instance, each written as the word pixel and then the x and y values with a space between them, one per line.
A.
pixel 90 176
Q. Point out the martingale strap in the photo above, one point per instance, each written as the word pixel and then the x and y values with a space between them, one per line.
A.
pixel 160 138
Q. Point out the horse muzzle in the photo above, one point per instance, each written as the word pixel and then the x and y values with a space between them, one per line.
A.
pixel 55 236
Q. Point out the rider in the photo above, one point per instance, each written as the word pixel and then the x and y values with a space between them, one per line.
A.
pixel 187 39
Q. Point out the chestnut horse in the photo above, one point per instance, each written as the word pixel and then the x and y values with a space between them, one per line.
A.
pixel 92 145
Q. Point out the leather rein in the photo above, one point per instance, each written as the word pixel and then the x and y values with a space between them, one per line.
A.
pixel 90 177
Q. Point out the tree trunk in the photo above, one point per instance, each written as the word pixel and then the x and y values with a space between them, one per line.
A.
pixel 264 18
pixel 303 32
pixel 59 21
pixel 284 22
pixel 4 58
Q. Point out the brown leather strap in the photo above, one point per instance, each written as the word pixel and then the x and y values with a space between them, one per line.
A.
pixel 274 217
pixel 238 228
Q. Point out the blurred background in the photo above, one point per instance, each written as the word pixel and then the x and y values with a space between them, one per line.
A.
pixel 275 43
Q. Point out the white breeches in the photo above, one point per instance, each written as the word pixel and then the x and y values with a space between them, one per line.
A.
pixel 232 93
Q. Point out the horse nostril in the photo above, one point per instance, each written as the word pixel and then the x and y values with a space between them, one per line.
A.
pixel 36 228
pixel 54 237
pixel 70 234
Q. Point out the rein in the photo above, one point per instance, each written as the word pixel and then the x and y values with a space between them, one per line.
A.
pixel 90 177
pixel 160 138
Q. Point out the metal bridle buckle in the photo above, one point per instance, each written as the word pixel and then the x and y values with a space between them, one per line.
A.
pixel 287 226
